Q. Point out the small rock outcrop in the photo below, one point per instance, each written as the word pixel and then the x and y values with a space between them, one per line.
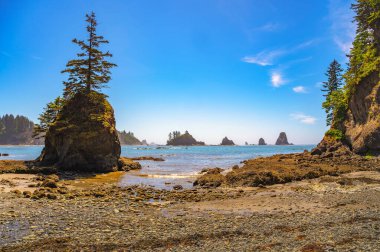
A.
pixel 330 147
pixel 83 137
pixel 227 141
pixel 282 139
pixel 185 140
pixel 262 141
pixel 144 142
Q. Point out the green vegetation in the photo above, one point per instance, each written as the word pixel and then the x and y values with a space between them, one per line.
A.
pixel 16 130
pixel 90 72
pixel 334 95
pixel 364 61
pixel 128 138
pixel 335 134
pixel 364 56
pixel 175 138
pixel 47 117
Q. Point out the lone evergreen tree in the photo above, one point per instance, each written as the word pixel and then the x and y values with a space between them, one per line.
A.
pixel 91 71
pixel 335 78
pixel 332 87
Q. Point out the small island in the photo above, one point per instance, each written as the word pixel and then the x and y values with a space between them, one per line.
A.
pixel 128 138
pixel 262 141
pixel 176 139
pixel 282 139
pixel 227 141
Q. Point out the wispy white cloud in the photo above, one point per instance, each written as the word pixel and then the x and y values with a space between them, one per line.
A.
pixel 299 89
pixel 342 28
pixel 277 79
pixel 268 27
pixel 264 58
pixel 302 118
pixel 268 58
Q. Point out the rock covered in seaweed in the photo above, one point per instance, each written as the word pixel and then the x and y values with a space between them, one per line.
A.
pixel 282 139
pixel 227 141
pixel 83 137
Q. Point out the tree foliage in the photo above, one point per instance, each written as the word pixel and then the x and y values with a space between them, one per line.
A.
pixel 364 56
pixel 15 129
pixel 91 71
pixel 334 78
pixel 334 94
pixel 48 117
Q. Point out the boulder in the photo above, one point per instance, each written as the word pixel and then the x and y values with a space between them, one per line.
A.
pixel 83 137
pixel 282 139
pixel 262 141
pixel 227 141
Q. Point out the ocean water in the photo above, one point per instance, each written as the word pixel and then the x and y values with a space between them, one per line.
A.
pixel 182 164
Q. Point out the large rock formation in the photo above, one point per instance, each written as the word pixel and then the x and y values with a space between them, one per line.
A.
pixel 83 137
pixel 358 127
pixel 262 141
pixel 282 139
pixel 227 141
pixel 184 139
pixel 362 125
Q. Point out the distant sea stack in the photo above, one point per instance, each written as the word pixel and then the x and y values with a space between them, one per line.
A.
pixel 227 141
pixel 83 137
pixel 282 139
pixel 262 141
pixel 176 138
pixel 128 138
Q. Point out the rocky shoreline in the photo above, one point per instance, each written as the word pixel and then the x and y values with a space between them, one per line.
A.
pixel 334 212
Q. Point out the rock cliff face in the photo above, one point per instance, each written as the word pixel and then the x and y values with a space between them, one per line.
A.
pixel 262 141
pixel 282 139
pixel 84 137
pixel 362 126
pixel 185 139
pixel 227 141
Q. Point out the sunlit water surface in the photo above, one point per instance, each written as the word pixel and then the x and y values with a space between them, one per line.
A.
pixel 181 165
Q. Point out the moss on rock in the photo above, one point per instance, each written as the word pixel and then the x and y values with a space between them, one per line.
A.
pixel 83 137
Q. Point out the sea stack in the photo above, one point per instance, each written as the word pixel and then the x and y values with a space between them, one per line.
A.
pixel 262 141
pixel 185 139
pixel 227 141
pixel 83 137
pixel 282 139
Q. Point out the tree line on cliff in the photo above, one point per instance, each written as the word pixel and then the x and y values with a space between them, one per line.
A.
pixel 15 130
pixel 352 97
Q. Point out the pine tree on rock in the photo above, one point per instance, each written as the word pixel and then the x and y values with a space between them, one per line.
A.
pixel 48 117
pixel 332 87
pixel 91 71
pixel 335 78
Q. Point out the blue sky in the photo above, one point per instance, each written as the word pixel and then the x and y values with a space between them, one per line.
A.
pixel 244 69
